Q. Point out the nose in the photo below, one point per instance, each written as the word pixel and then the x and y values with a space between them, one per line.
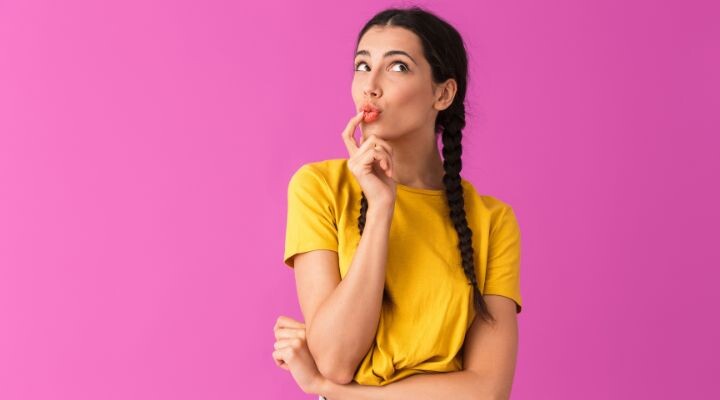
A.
pixel 372 92
pixel 372 89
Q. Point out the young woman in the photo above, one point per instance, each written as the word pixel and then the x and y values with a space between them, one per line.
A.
pixel 394 253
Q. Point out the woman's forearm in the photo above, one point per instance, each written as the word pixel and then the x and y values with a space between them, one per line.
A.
pixel 344 326
pixel 426 386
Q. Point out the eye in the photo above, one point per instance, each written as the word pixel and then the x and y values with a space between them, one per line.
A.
pixel 359 64
pixel 403 69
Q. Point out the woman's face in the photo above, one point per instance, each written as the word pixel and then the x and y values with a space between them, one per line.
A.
pixel 399 85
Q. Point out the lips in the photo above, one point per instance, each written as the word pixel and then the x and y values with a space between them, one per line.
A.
pixel 367 107
pixel 372 113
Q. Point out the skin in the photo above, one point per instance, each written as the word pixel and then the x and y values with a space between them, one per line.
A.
pixel 410 101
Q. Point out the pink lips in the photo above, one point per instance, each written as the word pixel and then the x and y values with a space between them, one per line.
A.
pixel 372 113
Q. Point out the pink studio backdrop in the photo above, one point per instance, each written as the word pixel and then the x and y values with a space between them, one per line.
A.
pixel 146 147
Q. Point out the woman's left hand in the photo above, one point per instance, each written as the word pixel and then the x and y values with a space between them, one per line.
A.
pixel 292 354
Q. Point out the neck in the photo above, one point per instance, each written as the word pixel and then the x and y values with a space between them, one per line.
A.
pixel 417 163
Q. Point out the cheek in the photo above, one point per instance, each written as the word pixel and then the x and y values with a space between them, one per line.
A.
pixel 410 107
pixel 410 97
pixel 356 90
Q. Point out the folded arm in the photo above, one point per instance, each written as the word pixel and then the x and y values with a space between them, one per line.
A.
pixel 342 316
pixel 489 358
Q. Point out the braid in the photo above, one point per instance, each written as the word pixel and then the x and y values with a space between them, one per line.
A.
pixel 453 121
pixel 363 213
pixel 387 299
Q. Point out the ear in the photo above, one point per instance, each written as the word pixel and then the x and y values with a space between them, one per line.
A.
pixel 444 94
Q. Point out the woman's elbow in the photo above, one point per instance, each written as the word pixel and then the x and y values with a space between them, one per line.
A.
pixel 333 367
pixel 336 375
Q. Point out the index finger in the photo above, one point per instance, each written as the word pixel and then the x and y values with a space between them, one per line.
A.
pixel 348 133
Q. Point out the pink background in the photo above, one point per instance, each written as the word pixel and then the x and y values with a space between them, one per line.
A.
pixel 146 147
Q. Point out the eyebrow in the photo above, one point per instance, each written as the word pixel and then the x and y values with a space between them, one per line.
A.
pixel 387 54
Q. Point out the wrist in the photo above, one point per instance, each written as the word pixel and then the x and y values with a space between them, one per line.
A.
pixel 381 210
pixel 326 387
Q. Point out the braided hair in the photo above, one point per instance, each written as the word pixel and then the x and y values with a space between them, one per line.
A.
pixel 444 49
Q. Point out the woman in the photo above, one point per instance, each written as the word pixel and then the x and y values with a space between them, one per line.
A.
pixel 391 246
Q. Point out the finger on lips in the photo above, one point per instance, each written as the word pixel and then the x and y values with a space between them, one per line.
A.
pixel 378 147
pixel 348 133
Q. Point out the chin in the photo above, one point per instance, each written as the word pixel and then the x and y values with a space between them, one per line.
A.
pixel 371 131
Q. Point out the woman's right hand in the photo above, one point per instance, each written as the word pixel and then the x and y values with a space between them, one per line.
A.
pixel 371 163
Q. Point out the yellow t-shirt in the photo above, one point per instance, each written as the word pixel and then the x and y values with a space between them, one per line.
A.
pixel 423 328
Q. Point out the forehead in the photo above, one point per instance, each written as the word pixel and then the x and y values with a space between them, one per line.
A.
pixel 377 40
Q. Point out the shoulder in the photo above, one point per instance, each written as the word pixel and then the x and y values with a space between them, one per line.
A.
pixel 490 213
pixel 325 169
pixel 489 206
pixel 323 177
pixel 333 173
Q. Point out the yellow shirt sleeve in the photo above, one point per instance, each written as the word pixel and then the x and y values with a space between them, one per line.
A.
pixel 503 267
pixel 310 214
